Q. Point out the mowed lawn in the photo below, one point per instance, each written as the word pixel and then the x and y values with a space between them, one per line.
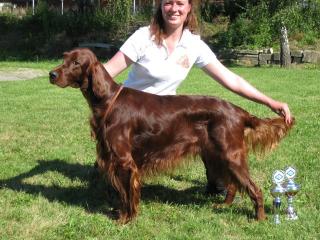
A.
pixel 47 155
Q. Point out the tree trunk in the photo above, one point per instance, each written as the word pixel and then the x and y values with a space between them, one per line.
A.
pixel 285 58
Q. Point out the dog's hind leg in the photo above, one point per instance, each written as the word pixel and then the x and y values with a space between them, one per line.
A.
pixel 232 152
pixel 241 175
pixel 231 193
pixel 219 178
pixel 214 173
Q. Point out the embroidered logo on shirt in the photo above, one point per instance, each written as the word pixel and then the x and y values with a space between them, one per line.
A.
pixel 184 61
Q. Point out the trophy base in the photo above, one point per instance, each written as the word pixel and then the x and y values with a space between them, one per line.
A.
pixel 291 213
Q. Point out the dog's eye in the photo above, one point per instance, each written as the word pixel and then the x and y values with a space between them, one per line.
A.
pixel 76 62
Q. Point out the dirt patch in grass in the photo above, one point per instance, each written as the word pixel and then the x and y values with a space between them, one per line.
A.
pixel 21 74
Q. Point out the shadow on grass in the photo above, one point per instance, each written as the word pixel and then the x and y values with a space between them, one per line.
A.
pixel 95 196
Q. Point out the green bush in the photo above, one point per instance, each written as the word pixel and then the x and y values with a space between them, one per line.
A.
pixel 210 11
pixel 255 25
pixel 260 24
pixel 237 34
pixel 47 33
pixel 8 22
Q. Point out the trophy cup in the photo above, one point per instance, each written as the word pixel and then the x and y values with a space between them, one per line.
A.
pixel 278 178
pixel 291 189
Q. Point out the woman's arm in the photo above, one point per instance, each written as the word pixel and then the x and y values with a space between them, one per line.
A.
pixel 240 86
pixel 118 63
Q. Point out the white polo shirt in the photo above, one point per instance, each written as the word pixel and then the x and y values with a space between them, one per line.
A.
pixel 155 71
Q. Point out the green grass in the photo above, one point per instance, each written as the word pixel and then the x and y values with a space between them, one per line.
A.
pixel 46 157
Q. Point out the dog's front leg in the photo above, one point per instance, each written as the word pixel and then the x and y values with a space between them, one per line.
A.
pixel 124 176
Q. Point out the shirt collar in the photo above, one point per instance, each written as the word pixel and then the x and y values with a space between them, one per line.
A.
pixel 185 38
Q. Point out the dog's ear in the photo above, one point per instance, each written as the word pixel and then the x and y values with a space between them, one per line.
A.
pixel 65 55
pixel 99 84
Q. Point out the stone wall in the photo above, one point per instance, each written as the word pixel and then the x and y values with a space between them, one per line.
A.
pixel 267 57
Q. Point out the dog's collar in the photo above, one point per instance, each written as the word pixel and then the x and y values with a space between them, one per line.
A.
pixel 112 101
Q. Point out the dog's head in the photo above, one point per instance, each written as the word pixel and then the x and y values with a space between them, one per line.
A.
pixel 74 70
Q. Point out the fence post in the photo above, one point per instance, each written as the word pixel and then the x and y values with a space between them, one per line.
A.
pixel 32 7
pixel 285 58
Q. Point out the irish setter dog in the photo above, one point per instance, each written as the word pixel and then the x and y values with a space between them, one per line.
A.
pixel 139 133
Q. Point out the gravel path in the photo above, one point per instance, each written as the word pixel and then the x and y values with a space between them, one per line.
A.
pixel 21 74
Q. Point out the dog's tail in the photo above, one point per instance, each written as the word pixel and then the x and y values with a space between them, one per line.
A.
pixel 263 135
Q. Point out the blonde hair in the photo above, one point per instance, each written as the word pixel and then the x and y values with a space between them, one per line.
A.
pixel 157 23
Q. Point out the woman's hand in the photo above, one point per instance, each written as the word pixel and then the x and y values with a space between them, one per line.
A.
pixel 281 109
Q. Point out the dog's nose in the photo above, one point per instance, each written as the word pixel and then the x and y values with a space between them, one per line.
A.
pixel 53 75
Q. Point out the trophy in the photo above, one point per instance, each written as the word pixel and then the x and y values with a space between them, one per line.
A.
pixel 278 178
pixel 291 189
